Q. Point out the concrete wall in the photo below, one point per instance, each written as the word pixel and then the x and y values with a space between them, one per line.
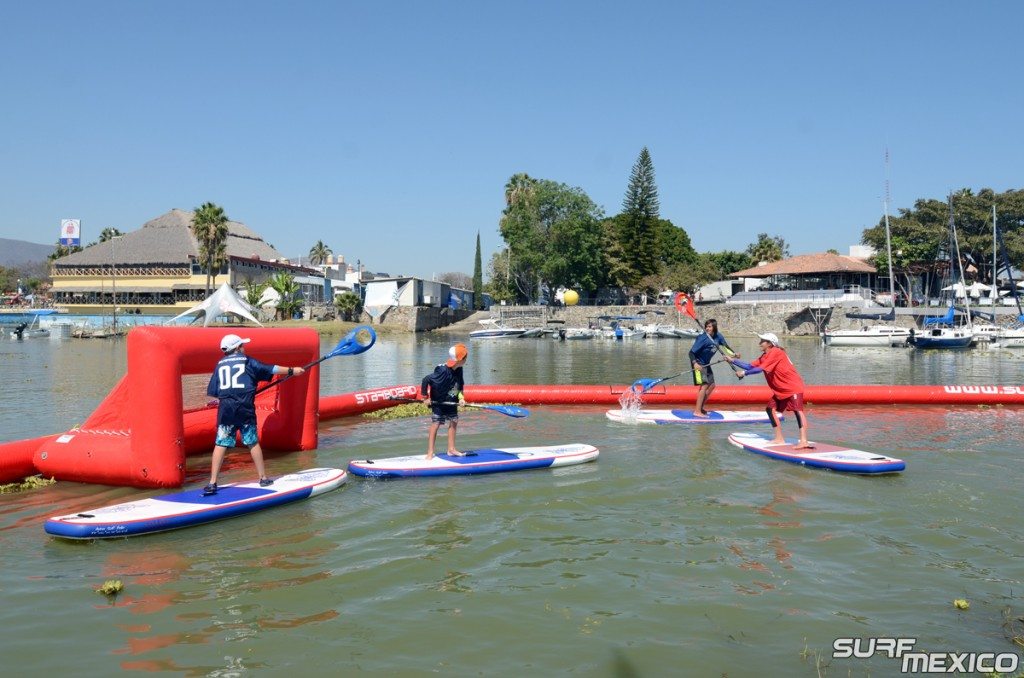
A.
pixel 417 318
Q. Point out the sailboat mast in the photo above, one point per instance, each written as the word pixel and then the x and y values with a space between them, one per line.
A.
pixel 995 270
pixel 888 239
pixel 959 263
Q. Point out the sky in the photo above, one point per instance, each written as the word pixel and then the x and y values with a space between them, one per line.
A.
pixel 389 129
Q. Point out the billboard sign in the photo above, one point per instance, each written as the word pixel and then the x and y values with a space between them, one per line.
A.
pixel 71 232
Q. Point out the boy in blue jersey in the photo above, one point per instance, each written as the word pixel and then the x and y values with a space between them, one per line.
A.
pixel 701 354
pixel 234 383
pixel 442 391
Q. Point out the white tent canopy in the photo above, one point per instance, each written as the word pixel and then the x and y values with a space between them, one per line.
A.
pixel 225 301
pixel 974 289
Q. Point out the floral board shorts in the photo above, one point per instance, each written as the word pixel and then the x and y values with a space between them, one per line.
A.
pixel 442 418
pixel 226 435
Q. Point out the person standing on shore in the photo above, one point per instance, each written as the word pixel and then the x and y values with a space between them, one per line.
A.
pixel 785 382
pixel 234 383
pixel 701 355
pixel 442 392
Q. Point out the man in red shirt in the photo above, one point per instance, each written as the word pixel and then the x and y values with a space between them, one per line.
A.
pixel 785 382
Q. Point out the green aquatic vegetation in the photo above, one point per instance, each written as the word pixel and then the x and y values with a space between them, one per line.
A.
pixel 30 483
pixel 400 412
pixel 111 588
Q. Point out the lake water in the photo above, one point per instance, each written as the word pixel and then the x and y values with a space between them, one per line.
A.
pixel 674 553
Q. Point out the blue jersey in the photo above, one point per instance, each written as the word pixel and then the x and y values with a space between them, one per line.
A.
pixel 444 384
pixel 234 383
pixel 703 350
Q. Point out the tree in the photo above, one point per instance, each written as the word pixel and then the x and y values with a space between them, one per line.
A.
pixel 768 248
pixel 210 228
pixel 63 250
pixel 319 253
pixel 254 292
pixel 553 236
pixel 108 233
pixel 456 279
pixel 287 290
pixel 727 261
pixel 478 277
pixel 349 305
pixel 639 235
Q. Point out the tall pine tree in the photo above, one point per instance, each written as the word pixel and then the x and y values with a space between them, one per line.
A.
pixel 639 236
pixel 478 278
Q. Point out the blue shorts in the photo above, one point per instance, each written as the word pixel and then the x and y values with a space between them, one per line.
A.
pixel 226 435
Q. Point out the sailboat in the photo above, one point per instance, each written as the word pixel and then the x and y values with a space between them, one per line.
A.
pixel 874 335
pixel 940 332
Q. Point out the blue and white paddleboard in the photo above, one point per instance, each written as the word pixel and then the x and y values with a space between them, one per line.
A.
pixel 185 509
pixel 496 460
pixel 823 455
pixel 686 417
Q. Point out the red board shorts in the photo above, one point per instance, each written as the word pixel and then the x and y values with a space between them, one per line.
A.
pixel 794 403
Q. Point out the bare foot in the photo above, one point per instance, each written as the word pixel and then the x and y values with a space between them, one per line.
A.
pixel 430 455
pixel 804 446
pixel 456 453
pixel 700 415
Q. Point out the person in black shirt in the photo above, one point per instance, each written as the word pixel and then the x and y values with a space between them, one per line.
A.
pixel 442 391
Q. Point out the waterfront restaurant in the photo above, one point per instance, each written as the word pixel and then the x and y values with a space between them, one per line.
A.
pixel 155 271
pixel 824 277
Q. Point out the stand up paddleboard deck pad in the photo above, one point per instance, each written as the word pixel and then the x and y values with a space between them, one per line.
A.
pixel 823 455
pixel 185 509
pixel 686 417
pixel 489 460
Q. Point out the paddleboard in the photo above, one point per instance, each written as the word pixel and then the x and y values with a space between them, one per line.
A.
pixel 686 417
pixel 488 460
pixel 185 509
pixel 834 457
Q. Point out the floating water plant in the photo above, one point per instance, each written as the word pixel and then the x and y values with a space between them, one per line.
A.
pixel 30 483
pixel 962 604
pixel 111 588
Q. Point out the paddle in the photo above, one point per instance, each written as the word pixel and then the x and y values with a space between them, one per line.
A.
pixel 689 310
pixel 507 410
pixel 647 384
pixel 355 342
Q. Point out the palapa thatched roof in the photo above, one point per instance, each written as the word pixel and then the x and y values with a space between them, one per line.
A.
pixel 168 240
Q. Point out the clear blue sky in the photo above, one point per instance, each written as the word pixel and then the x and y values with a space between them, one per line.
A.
pixel 388 129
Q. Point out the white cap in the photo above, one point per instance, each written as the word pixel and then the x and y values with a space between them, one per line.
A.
pixel 770 337
pixel 230 342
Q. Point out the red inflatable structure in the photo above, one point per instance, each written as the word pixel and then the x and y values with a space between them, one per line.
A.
pixel 141 433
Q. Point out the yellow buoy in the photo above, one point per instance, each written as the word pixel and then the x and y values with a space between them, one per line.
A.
pixel 570 298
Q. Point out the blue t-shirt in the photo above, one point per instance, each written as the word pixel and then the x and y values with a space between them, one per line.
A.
pixel 444 384
pixel 703 350
pixel 234 383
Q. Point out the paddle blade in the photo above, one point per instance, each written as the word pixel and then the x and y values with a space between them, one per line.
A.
pixel 508 410
pixel 684 304
pixel 355 342
pixel 644 385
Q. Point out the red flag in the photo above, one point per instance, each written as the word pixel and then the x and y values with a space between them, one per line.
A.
pixel 684 304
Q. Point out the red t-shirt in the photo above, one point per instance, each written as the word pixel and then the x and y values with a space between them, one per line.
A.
pixel 782 377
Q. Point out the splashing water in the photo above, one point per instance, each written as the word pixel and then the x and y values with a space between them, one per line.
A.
pixel 631 401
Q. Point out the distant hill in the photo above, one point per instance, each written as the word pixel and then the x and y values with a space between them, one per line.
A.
pixel 18 252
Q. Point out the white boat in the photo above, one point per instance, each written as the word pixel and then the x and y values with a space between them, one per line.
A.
pixel 1010 338
pixel 883 336
pixel 987 332
pixel 496 330
pixel 576 333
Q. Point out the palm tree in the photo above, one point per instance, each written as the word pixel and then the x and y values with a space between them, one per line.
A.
pixel 319 252
pixel 284 284
pixel 108 233
pixel 518 188
pixel 210 228
pixel 348 305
